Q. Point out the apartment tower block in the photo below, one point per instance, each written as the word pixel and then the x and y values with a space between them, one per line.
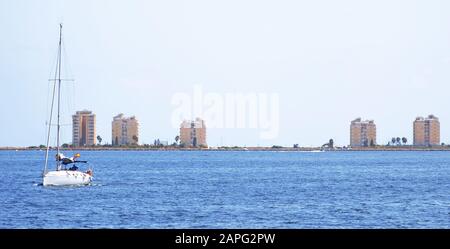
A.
pixel 363 133
pixel 426 131
pixel 83 128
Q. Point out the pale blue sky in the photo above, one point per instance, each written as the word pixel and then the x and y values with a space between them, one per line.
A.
pixel 329 61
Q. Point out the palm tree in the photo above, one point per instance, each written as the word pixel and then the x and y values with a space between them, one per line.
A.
pixel 176 139
pixel 99 139
pixel 393 140
pixel 398 140
pixel 404 140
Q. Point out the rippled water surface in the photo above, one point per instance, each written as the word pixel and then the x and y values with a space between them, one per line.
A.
pixel 196 189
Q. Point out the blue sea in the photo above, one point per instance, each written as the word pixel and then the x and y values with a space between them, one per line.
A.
pixel 219 189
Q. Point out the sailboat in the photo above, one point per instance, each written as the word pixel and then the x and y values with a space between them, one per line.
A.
pixel 62 176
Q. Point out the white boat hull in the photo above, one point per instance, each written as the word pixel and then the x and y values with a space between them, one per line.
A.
pixel 66 178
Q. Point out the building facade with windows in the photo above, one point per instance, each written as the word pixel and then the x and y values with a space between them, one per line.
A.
pixel 363 133
pixel 426 131
pixel 125 131
pixel 83 128
pixel 193 133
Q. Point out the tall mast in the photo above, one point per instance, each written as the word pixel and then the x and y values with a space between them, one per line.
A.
pixel 58 67
pixel 58 163
pixel 50 125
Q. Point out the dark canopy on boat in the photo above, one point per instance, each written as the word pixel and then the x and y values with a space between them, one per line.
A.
pixel 68 160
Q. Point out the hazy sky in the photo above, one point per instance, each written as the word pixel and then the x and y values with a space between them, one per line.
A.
pixel 329 62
